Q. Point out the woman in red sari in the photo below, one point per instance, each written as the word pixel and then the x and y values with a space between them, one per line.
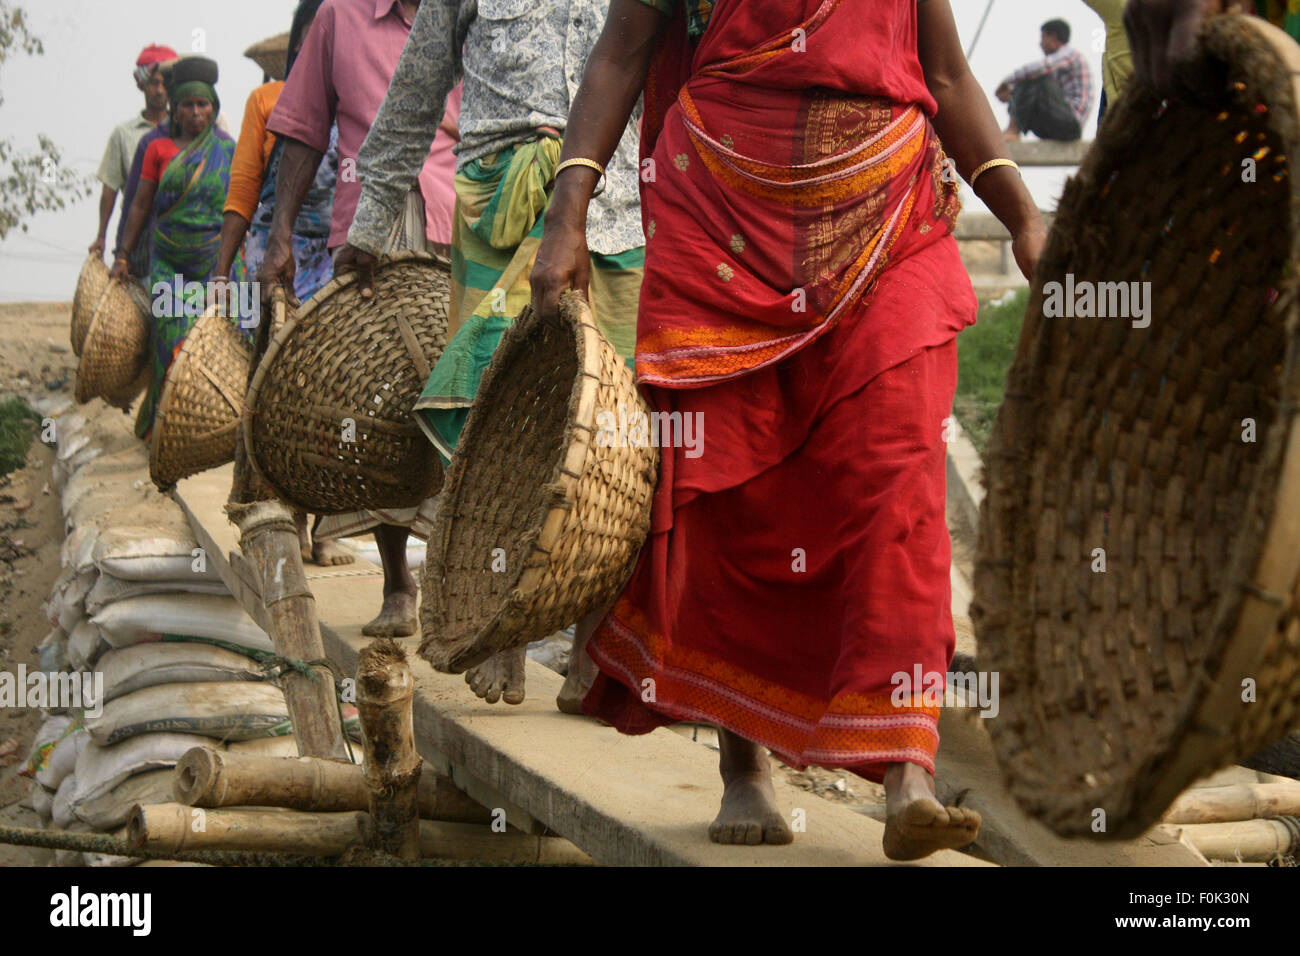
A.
pixel 802 297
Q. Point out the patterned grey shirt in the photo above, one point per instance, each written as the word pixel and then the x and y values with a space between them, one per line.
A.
pixel 522 62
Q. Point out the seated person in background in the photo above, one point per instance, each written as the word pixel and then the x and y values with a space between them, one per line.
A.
pixel 1049 97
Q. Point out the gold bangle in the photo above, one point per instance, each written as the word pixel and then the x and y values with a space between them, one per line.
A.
pixel 991 164
pixel 590 163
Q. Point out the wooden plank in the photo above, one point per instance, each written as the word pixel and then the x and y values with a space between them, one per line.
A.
pixel 631 801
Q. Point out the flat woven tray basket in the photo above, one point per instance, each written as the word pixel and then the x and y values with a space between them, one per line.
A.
pixel 1136 581
pixel 329 422
pixel 90 286
pixel 202 397
pixel 115 355
pixel 540 521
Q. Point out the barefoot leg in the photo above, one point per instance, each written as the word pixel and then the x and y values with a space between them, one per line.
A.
pixel 328 553
pixel 397 616
pixel 582 669
pixel 500 677
pixel 749 814
pixel 916 824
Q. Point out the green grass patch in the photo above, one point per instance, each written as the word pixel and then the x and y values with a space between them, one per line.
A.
pixel 18 426
pixel 984 354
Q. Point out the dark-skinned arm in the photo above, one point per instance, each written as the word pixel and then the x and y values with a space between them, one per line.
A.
pixel 107 199
pixel 970 133
pixel 135 222
pixel 298 164
pixel 614 78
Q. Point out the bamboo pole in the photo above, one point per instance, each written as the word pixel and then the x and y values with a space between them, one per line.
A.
pixel 1248 841
pixel 385 697
pixel 1239 802
pixel 221 778
pixel 269 540
pixel 170 827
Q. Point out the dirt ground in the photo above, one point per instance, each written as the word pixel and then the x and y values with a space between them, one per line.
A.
pixel 37 365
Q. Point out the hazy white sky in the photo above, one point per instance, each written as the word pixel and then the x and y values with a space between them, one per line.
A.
pixel 82 87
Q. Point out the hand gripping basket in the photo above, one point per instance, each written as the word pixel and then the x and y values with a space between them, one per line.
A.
pixel 202 397
pixel 90 286
pixel 540 521
pixel 329 412
pixel 1167 454
pixel 115 354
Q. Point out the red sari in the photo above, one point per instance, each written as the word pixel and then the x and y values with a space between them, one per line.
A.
pixel 802 295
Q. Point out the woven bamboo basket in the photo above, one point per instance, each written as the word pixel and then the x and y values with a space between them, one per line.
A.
pixel 1169 452
pixel 329 412
pixel 115 354
pixel 541 519
pixel 271 55
pixel 90 286
pixel 202 397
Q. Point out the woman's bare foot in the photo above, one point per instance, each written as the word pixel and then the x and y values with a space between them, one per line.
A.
pixel 582 669
pixel 749 814
pixel 917 824
pixel 330 553
pixel 500 677
pixel 396 618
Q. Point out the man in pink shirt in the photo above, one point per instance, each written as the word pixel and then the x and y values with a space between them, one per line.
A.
pixel 341 76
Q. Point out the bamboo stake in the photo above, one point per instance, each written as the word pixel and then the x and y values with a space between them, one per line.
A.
pixel 221 778
pixel 385 695
pixel 269 540
pixel 1249 841
pixel 1239 802
pixel 170 827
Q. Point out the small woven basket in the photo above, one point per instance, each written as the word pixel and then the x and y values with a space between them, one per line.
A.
pixel 115 354
pixel 541 520
pixel 271 55
pixel 329 422
pixel 202 396
pixel 90 286
pixel 1136 581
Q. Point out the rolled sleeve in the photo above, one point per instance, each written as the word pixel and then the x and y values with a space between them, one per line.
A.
pixel 246 170
pixel 397 146
pixel 305 111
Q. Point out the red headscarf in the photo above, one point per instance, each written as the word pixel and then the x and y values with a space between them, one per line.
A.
pixel 149 60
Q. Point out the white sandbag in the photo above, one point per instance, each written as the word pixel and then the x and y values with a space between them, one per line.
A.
pixel 53 651
pixel 107 859
pixel 111 810
pixel 145 554
pixel 42 802
pixel 224 711
pixel 63 759
pixel 61 815
pixel 129 669
pixel 68 603
pixel 108 589
pixel 100 769
pixel 47 736
pixel 86 644
pixel 161 617
pixel 78 550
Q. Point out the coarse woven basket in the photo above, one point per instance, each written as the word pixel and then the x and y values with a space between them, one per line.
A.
pixel 541 519
pixel 1136 584
pixel 91 283
pixel 115 354
pixel 271 55
pixel 202 397
pixel 329 421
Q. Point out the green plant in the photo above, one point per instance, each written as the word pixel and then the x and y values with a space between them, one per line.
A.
pixel 18 425
pixel 984 354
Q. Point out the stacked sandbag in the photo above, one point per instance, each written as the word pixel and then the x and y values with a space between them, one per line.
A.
pixel 170 660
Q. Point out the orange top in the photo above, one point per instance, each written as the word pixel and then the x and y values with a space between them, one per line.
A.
pixel 253 151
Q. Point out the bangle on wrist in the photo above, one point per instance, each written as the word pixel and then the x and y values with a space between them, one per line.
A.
pixel 590 164
pixel 991 164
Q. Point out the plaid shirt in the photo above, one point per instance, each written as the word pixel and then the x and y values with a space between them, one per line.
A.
pixel 1072 74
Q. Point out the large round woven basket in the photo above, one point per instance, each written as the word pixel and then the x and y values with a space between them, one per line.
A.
pixel 542 515
pixel 271 55
pixel 202 397
pixel 115 354
pixel 90 286
pixel 1136 582
pixel 330 424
